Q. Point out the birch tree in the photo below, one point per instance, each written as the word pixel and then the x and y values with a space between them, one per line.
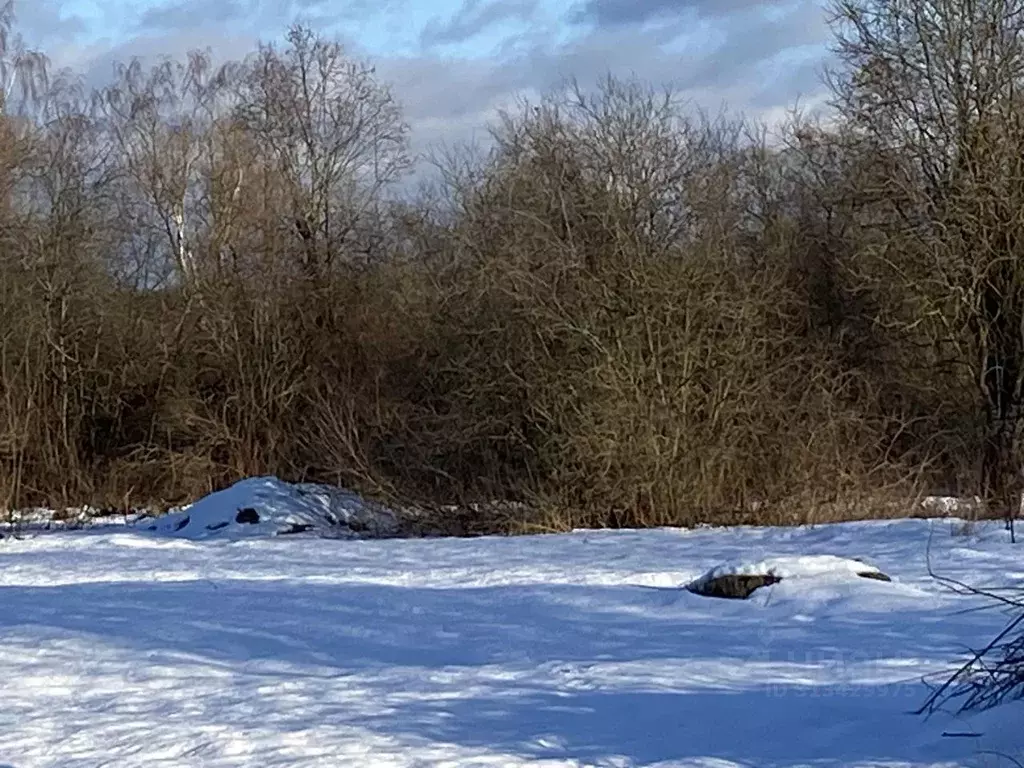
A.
pixel 335 134
pixel 161 121
pixel 23 71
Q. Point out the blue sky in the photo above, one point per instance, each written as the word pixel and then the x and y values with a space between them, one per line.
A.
pixel 453 63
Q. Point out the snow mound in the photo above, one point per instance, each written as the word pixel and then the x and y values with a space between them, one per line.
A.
pixel 773 570
pixel 266 506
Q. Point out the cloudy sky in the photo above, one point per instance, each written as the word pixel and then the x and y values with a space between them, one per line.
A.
pixel 454 62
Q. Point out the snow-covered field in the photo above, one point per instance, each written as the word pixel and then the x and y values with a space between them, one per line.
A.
pixel 126 647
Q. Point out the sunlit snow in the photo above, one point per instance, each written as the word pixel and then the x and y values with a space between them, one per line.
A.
pixel 123 647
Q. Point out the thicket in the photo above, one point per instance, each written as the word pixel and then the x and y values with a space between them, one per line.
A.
pixel 624 313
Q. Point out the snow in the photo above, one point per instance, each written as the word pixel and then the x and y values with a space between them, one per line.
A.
pixel 266 506
pixel 123 647
pixel 18 521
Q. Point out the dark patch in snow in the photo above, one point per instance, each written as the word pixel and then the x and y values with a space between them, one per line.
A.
pixel 218 526
pixel 876 575
pixel 734 586
pixel 184 521
pixel 247 516
pixel 358 526
pixel 296 528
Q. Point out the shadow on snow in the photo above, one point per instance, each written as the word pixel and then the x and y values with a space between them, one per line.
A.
pixel 539 643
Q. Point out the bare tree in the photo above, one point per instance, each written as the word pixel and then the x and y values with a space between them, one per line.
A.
pixel 933 88
pixel 335 134
pixel 161 120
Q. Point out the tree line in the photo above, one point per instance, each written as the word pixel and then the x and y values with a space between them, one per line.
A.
pixel 624 313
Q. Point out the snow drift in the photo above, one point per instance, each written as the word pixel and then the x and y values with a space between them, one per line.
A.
pixel 267 506
pixel 740 580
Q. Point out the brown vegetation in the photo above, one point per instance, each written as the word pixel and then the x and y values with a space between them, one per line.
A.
pixel 625 314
